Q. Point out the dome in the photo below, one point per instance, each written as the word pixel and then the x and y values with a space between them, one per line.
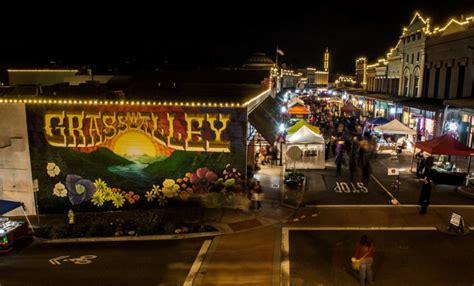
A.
pixel 258 60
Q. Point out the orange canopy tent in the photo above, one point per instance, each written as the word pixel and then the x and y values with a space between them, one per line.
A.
pixel 298 110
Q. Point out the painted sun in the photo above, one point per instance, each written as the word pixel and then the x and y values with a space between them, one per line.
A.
pixel 133 143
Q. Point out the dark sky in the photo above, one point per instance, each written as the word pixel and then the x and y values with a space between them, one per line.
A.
pixel 184 35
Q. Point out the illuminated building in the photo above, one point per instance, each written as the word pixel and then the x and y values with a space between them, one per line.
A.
pixel 412 56
pixel 361 72
pixel 449 74
pixel 326 61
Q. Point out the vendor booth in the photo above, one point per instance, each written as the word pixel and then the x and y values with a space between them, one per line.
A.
pixel 298 111
pixel 10 230
pixel 444 171
pixel 395 127
pixel 300 124
pixel 349 108
pixel 312 146
pixel 295 101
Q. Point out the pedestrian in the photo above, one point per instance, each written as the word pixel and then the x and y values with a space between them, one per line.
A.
pixel 257 195
pixel 419 163
pixel 425 194
pixel 274 156
pixel 366 169
pixel 352 165
pixel 365 255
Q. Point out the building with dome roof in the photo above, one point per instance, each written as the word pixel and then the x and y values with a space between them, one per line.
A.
pixel 258 61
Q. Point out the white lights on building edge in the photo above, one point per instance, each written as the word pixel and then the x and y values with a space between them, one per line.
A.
pixel 392 110
pixel 283 109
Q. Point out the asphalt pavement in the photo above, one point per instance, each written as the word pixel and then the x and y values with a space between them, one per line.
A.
pixel 401 258
pixel 100 263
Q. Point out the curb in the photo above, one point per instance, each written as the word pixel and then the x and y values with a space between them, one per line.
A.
pixel 135 238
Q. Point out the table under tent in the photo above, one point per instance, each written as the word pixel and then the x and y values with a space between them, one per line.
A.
pixel 305 147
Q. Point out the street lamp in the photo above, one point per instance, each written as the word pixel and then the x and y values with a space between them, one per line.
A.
pixel 281 137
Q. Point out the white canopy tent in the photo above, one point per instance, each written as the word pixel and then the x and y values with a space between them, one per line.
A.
pixel 312 147
pixel 294 101
pixel 395 127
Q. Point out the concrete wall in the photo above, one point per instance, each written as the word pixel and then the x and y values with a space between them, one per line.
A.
pixel 15 166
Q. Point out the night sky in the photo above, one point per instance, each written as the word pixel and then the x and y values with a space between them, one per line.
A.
pixel 130 36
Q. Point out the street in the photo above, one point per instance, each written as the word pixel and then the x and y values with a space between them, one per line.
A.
pixel 115 263
pixel 401 258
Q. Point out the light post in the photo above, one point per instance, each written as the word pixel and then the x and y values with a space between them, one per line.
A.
pixel 281 137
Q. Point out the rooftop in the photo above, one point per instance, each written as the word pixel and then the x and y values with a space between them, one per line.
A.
pixel 193 86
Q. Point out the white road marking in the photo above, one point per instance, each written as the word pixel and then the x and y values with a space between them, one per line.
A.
pixel 197 263
pixel 382 186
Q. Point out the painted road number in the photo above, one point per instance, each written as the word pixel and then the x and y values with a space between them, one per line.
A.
pixel 85 259
pixel 343 187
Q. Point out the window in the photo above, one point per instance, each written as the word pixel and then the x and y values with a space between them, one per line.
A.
pixel 418 56
pixel 460 89
pixel 418 35
pixel 413 37
pixel 426 79
pixel 436 83
pixel 412 57
pixel 408 58
pixel 416 83
pixel 447 84
pixel 408 39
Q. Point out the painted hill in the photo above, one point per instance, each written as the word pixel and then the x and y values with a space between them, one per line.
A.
pixel 181 162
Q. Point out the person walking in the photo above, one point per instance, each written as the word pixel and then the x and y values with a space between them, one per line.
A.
pixel 425 194
pixel 366 169
pixel 365 254
pixel 257 195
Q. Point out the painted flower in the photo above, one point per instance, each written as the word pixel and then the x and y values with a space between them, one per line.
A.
pixel 60 190
pixel 52 169
pixel 185 179
pixel 189 190
pixel 79 190
pixel 184 195
pixel 98 199
pixel 161 199
pixel 150 195
pixel 179 181
pixel 156 189
pixel 131 201
pixel 107 194
pixel 229 183
pixel 100 185
pixel 170 188
pixel 136 197
pixel 203 176
pixel 118 200
pixel 188 174
pixel 183 186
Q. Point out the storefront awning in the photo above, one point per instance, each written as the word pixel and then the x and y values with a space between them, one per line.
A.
pixel 7 206
pixel 461 102
pixel 266 118
pixel 429 104
pixel 382 97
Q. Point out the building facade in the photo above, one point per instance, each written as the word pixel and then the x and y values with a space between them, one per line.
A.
pixel 361 72
pixel 412 56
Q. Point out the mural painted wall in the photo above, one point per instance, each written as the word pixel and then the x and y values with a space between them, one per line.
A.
pixel 114 157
